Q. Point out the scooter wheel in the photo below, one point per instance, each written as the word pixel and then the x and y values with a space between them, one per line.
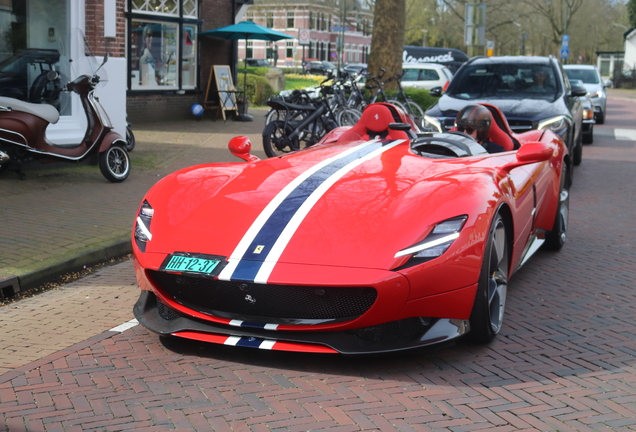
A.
pixel 130 140
pixel 114 163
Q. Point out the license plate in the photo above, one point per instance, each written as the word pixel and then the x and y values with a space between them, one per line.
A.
pixel 191 264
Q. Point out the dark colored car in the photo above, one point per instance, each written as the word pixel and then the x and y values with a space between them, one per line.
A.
pixel 512 85
pixel 258 62
pixel 14 76
pixel 589 112
pixel 319 68
pixel 355 68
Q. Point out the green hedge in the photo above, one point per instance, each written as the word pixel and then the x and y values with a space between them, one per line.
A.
pixel 258 89
pixel 421 97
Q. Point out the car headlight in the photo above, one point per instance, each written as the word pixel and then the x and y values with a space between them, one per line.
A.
pixel 431 124
pixel 142 225
pixel 596 94
pixel 555 124
pixel 437 242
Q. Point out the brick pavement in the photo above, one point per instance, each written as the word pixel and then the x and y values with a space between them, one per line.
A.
pixel 565 359
pixel 71 215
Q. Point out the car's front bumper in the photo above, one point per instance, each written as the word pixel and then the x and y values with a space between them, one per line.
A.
pixel 395 336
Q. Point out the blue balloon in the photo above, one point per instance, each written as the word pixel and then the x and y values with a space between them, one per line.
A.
pixel 197 110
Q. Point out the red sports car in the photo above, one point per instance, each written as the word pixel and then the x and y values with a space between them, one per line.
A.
pixel 378 238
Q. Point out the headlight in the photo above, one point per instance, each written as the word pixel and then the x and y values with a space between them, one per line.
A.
pixel 437 242
pixel 588 114
pixel 431 124
pixel 555 124
pixel 596 94
pixel 142 225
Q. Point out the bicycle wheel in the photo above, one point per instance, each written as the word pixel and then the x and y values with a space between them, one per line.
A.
pixel 397 103
pixel 348 116
pixel 275 141
pixel 416 113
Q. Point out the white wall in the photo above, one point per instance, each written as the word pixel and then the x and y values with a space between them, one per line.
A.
pixel 630 52
pixel 112 94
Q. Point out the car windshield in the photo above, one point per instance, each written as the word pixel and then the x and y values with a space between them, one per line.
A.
pixel 505 81
pixel 588 76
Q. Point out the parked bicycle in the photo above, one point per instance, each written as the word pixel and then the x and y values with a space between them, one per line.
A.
pixel 303 125
pixel 412 109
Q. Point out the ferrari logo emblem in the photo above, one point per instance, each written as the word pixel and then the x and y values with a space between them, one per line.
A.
pixel 259 249
pixel 377 117
pixel 250 299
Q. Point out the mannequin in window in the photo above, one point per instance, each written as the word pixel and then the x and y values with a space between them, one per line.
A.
pixel 147 62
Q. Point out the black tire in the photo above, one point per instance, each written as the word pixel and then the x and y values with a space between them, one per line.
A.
pixel 577 152
pixel 487 315
pixel 114 163
pixel 555 239
pixel 589 137
pixel 130 140
pixel 600 119
pixel 275 141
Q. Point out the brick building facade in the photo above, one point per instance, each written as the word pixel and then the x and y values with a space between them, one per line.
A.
pixel 337 30
pixel 180 80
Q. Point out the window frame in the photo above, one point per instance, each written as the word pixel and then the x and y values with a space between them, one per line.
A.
pixel 181 22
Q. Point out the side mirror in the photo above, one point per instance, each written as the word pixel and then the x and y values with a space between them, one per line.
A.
pixel 578 91
pixel 436 92
pixel 532 152
pixel 608 83
pixel 241 147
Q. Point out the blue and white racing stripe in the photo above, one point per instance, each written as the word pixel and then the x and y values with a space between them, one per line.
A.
pixel 274 227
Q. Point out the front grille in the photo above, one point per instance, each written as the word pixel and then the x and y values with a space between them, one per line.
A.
pixel 393 330
pixel 520 126
pixel 276 303
pixel 447 123
pixel 166 312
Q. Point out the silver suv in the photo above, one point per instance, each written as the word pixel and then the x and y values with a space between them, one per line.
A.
pixel 595 86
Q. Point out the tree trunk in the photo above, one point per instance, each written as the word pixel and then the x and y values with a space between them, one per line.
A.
pixel 387 44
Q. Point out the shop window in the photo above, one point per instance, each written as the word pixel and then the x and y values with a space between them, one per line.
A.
pixel 163 54
pixel 35 39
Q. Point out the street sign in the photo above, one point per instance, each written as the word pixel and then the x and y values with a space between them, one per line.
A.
pixel 490 48
pixel 565 46
pixel 303 37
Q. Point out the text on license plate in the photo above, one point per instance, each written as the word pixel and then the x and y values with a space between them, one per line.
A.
pixel 191 264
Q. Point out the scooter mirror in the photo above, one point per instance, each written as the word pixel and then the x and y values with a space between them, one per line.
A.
pixel 52 75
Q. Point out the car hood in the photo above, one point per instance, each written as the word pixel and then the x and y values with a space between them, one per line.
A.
pixel 591 88
pixel 526 109
pixel 359 215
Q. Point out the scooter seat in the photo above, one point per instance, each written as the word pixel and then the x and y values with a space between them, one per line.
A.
pixel 46 112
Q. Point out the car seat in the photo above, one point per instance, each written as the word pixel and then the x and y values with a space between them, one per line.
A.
pixel 374 123
pixel 500 132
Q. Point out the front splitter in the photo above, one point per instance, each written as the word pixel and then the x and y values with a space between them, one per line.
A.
pixel 343 342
